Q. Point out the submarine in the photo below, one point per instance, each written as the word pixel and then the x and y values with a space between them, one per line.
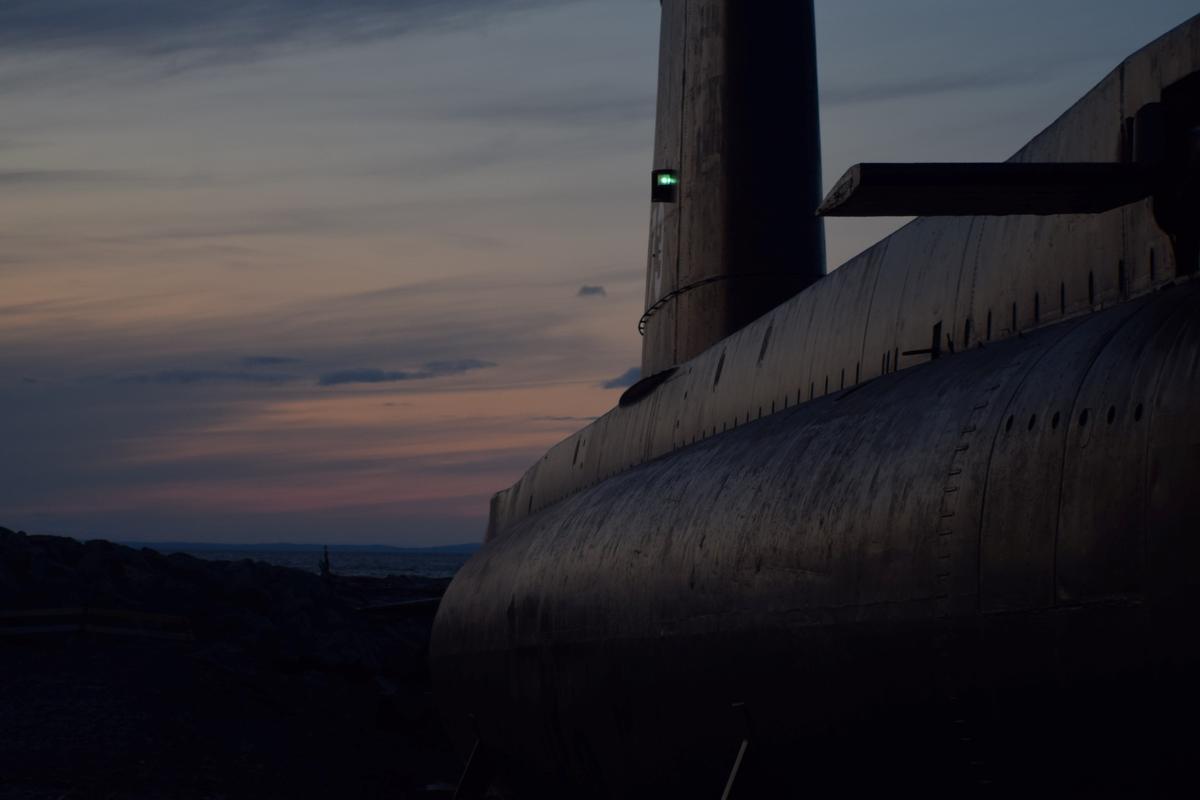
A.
pixel 928 522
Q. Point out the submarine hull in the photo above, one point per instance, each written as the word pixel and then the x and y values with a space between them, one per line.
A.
pixel 979 572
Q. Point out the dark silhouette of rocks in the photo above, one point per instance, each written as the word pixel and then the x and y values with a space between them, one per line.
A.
pixel 268 681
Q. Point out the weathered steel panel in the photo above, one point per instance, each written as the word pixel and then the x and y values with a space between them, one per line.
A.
pixel 1017 537
pixel 701 314
pixel 832 352
pixel 1172 475
pixel 802 538
pixel 1101 534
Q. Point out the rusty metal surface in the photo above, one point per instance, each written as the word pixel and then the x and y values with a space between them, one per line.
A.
pixel 819 564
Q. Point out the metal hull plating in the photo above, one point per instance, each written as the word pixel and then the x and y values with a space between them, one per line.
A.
pixel 929 525
pixel 980 569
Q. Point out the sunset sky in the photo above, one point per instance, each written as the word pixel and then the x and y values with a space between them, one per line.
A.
pixel 338 270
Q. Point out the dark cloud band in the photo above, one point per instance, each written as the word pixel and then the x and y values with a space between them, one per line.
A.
pixel 186 377
pixel 625 380
pixel 434 369
pixel 269 361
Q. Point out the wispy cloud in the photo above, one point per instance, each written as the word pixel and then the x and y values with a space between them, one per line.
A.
pixel 625 380
pixel 577 107
pixel 310 220
pixel 923 86
pixel 186 377
pixel 433 369
pixel 201 290
pixel 172 27
pixel 63 177
pixel 269 361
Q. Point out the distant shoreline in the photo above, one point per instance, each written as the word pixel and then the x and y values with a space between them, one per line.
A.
pixel 284 547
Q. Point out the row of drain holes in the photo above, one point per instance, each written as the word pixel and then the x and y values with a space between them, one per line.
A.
pixel 890 365
pixel 891 362
pixel 1084 418
pixel 1055 421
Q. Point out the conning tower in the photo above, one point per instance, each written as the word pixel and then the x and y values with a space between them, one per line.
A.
pixel 737 172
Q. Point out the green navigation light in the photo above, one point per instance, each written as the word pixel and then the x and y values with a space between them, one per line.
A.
pixel 665 186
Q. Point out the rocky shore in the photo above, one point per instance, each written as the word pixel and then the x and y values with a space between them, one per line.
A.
pixel 130 674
